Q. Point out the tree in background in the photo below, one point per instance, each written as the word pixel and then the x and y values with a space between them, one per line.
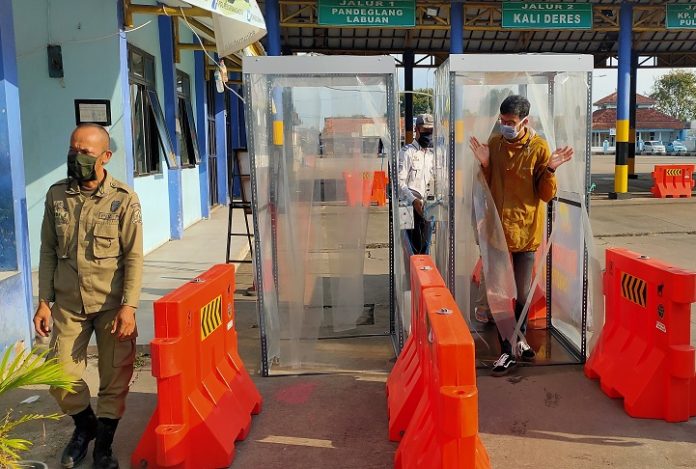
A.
pixel 422 102
pixel 675 94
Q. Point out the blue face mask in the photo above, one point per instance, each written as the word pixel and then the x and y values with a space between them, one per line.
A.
pixel 509 131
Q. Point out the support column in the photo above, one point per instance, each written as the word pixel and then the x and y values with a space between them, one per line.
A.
pixel 623 102
pixel 632 118
pixel 221 145
pixel 273 46
pixel 457 27
pixel 200 60
pixel 409 61
pixel 15 290
pixel 176 204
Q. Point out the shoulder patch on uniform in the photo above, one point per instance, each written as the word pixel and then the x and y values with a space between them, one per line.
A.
pixel 60 214
pixel 137 218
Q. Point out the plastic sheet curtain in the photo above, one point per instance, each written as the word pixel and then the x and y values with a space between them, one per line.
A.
pixel 316 142
pixel 468 99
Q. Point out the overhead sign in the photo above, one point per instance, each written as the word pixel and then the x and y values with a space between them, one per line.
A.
pixel 377 13
pixel 680 17
pixel 237 23
pixel 544 15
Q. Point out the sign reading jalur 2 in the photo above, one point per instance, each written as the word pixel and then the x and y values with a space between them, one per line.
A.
pixel 378 13
pixel 526 15
pixel 680 17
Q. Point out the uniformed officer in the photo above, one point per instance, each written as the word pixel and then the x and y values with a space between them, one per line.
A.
pixel 90 274
pixel 416 178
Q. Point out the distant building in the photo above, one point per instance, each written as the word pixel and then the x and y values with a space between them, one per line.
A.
pixel 651 124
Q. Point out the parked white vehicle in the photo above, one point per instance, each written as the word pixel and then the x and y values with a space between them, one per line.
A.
pixel 654 147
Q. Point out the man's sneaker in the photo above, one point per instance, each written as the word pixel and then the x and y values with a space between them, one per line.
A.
pixel 504 364
pixel 525 352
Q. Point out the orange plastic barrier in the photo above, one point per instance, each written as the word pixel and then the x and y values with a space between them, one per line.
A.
pixel 442 428
pixel 405 382
pixel 366 187
pixel 644 353
pixel 358 187
pixel 205 395
pixel 674 180
pixel 379 188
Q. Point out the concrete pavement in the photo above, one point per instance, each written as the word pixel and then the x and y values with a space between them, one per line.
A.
pixel 540 417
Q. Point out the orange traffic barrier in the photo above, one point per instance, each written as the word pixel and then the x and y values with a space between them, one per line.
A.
pixel 379 188
pixel 358 187
pixel 205 396
pixel 364 187
pixel 674 180
pixel 644 353
pixel 442 427
pixel 405 383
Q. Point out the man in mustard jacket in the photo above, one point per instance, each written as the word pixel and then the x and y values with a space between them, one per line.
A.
pixel 520 171
pixel 90 274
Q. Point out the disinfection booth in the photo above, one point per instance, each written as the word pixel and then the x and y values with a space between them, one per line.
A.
pixel 467 241
pixel 322 136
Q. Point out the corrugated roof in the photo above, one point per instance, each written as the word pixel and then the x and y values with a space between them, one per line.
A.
pixel 482 34
pixel 646 118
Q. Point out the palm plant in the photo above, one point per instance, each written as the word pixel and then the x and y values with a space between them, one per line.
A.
pixel 25 369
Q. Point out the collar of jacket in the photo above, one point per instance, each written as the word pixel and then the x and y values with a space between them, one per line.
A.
pixel 106 186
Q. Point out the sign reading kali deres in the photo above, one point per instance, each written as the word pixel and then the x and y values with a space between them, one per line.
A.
pixel 537 15
pixel 378 13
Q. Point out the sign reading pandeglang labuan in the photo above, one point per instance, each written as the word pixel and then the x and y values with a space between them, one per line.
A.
pixel 378 13
pixel 680 17
pixel 545 15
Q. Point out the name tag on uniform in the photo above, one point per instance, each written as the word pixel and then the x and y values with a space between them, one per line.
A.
pixel 109 216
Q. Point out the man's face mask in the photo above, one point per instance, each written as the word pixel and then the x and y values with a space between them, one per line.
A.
pixel 81 166
pixel 511 132
pixel 425 140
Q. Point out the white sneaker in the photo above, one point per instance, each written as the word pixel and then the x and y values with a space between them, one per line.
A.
pixel 503 365
pixel 525 352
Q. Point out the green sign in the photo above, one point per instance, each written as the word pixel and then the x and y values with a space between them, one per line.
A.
pixel 543 15
pixel 377 13
pixel 680 17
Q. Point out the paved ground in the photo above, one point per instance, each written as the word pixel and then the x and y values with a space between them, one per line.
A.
pixel 541 417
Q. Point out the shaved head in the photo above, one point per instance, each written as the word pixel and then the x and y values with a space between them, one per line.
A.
pixel 95 134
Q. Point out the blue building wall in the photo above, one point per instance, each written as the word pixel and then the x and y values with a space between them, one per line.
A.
pixel 15 273
pixel 95 67
pixel 91 71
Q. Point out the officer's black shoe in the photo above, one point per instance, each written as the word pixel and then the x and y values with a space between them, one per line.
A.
pixel 85 431
pixel 103 458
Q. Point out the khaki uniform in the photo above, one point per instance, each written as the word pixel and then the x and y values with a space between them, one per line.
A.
pixel 91 264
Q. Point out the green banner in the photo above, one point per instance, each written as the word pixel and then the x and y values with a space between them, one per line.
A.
pixel 360 13
pixel 543 15
pixel 680 17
